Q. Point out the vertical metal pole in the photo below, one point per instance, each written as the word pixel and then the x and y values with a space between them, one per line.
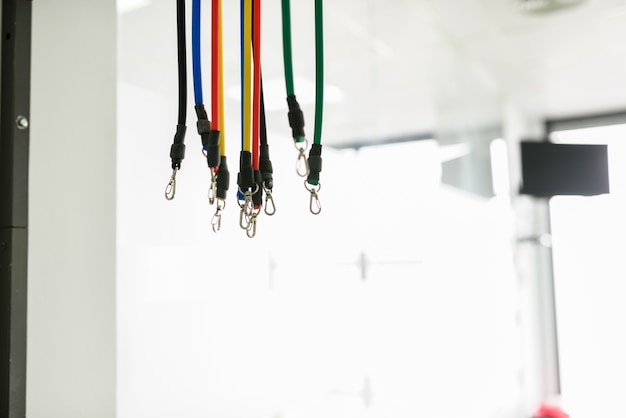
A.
pixel 538 340
pixel 14 148
pixel 547 331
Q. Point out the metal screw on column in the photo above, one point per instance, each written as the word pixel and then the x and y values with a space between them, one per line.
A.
pixel 21 122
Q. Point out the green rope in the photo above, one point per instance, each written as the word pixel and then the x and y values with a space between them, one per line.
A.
pixel 287 58
pixel 319 72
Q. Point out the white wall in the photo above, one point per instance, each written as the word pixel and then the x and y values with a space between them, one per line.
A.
pixel 71 335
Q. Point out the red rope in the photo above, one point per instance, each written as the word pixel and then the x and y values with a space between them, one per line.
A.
pixel 256 96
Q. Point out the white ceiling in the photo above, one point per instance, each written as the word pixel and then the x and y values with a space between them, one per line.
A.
pixel 394 66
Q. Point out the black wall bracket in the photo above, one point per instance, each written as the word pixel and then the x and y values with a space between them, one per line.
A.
pixel 14 150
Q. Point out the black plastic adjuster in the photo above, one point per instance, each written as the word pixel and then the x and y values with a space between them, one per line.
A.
pixel 265 166
pixel 245 178
pixel 203 125
pixel 177 150
pixel 296 117
pixel 315 164
pixel 213 149
pixel 257 198
pixel 223 179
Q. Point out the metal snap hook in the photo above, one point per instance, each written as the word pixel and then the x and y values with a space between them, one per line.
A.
pixel 314 205
pixel 170 189
pixel 213 188
pixel 216 221
pixel 314 202
pixel 251 231
pixel 270 206
pixel 247 209
pixel 302 164
pixel 244 220
pixel 249 202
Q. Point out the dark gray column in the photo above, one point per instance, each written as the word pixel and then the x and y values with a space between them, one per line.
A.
pixel 14 146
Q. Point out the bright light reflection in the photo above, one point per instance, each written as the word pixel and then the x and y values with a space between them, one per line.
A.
pixel 499 167
pixel 126 6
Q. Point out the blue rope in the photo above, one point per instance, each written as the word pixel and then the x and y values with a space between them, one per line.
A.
pixel 196 54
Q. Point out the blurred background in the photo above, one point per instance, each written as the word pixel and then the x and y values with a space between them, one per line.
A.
pixel 428 285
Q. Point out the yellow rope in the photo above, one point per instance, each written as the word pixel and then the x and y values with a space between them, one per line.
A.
pixel 221 83
pixel 247 75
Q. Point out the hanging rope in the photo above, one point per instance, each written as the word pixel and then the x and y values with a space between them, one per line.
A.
pixel 196 52
pixel 255 177
pixel 295 115
pixel 312 183
pixel 177 150
pixel 312 166
pixel 265 162
pixel 246 81
pixel 257 198
pixel 209 136
pixel 217 110
pixel 245 178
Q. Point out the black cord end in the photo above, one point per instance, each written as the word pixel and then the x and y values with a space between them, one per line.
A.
pixel 201 112
pixel 257 198
pixel 179 136
pixel 315 164
pixel 223 179
pixel 296 117
pixel 204 127
pixel 213 149
pixel 177 150
pixel 265 166
pixel 245 177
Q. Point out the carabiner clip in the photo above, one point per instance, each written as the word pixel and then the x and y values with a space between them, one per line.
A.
pixel 244 220
pixel 251 231
pixel 314 205
pixel 314 202
pixel 170 189
pixel 213 188
pixel 247 208
pixel 216 221
pixel 302 163
pixel 270 206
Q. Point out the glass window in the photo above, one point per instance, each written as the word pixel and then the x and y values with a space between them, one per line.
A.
pixel 588 235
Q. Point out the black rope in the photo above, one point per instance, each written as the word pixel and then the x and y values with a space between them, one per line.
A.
pixel 177 151
pixel 265 164
pixel 182 63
